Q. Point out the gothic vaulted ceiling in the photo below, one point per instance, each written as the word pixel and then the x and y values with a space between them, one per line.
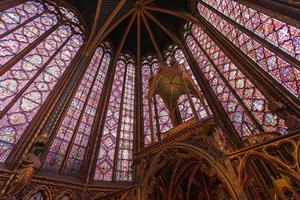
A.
pixel 88 10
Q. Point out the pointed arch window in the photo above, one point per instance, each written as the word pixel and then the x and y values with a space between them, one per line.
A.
pixel 262 38
pixel 37 44
pixel 245 104
pixel 114 161
pixel 68 149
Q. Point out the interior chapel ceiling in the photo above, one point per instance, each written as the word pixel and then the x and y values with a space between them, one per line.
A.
pixel 88 9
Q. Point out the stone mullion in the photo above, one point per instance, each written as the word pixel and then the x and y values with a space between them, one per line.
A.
pixel 12 157
pixel 67 94
pixel 158 132
pixel 187 91
pixel 138 112
pixel 119 125
pixel 71 143
pixel 156 118
pixel 93 146
pixel 260 78
pixel 27 49
pixel 50 107
pixel 232 137
pixel 151 118
pixel 139 131
pixel 238 98
pixel 102 109
pixel 138 137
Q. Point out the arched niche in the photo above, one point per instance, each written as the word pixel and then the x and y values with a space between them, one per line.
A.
pixel 171 155
pixel 66 195
pixel 263 177
pixel 39 193
pixel 99 195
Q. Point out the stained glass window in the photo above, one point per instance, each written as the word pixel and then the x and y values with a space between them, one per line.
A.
pixel 161 119
pixel 184 106
pixel 146 73
pixel 124 165
pixel 185 109
pixel 282 35
pixel 160 115
pixel 115 154
pixel 285 36
pixel 245 104
pixel 163 115
pixel 68 148
pixel 35 51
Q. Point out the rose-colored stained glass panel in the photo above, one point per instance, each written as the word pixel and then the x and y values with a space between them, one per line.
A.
pixel 15 16
pixel 185 109
pixel 18 117
pixel 106 156
pixel 65 133
pixel 15 79
pixel 18 40
pixel 284 36
pixel 236 113
pixel 69 15
pixel 79 146
pixel 164 119
pixel 146 73
pixel 34 54
pixel 199 104
pixel 280 70
pixel 125 152
pixel 149 67
pixel 252 98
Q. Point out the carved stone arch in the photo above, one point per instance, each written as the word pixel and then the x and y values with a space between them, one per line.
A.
pixel 284 169
pixel 99 195
pixel 44 189
pixel 68 193
pixel 297 154
pixel 196 152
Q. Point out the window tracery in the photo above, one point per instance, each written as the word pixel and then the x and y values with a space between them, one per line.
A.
pixel 245 104
pixel 184 106
pixel 68 148
pixel 36 48
pixel 284 36
pixel 273 31
pixel 116 145
pixel 161 121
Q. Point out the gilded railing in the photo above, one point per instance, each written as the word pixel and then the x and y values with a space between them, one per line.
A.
pixel 179 134
pixel 269 167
